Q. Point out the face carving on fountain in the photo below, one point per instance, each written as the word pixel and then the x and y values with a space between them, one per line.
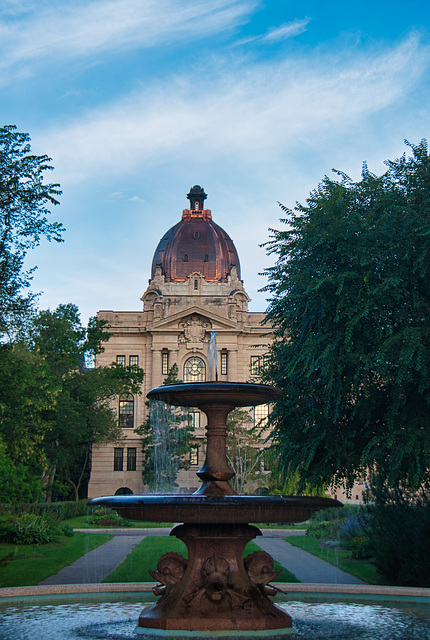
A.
pixel 215 577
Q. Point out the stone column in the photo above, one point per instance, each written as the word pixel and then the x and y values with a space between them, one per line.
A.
pixel 232 372
pixel 156 375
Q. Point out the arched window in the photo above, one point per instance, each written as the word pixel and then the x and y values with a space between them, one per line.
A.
pixel 194 370
pixel 123 491
pixel 126 412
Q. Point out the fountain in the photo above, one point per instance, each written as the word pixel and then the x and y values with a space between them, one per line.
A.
pixel 215 589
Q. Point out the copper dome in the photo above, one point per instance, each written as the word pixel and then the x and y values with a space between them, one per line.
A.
pixel 196 243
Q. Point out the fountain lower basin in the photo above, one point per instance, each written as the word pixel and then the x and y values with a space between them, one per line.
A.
pixel 108 612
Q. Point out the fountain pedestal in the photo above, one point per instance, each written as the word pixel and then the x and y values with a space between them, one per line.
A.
pixel 216 589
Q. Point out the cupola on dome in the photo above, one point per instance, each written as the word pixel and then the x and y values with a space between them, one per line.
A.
pixel 196 244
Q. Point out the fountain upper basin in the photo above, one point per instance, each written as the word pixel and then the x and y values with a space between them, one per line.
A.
pixel 199 394
pixel 230 509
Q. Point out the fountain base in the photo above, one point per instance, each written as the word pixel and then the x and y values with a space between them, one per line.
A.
pixel 270 634
pixel 215 589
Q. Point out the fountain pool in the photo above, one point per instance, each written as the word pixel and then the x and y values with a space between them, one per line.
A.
pixel 373 614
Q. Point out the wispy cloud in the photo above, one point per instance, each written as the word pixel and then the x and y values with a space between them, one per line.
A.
pixel 276 34
pixel 286 30
pixel 58 30
pixel 244 112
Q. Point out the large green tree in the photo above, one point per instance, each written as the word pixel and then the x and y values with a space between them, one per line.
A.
pixel 25 201
pixel 350 307
pixel 83 414
pixel 28 395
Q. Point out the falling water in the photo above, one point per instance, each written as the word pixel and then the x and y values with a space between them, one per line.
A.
pixel 212 357
pixel 168 438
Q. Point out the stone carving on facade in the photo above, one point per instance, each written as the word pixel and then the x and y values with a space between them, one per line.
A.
pixel 195 330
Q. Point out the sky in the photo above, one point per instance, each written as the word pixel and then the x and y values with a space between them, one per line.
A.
pixel 136 101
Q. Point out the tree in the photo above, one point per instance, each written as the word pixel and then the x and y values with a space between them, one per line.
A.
pixel 24 202
pixel 27 398
pixel 245 448
pixel 17 482
pixel 350 308
pixel 83 414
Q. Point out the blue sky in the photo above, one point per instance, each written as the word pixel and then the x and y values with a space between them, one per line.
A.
pixel 138 100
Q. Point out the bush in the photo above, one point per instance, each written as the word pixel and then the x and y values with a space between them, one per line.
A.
pixel 354 526
pixel 328 530
pixel 360 548
pixel 399 534
pixel 27 529
pixel 107 517
pixel 64 510
pixel 55 510
pixel 66 530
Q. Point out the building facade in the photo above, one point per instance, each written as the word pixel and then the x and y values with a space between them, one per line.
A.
pixel 195 300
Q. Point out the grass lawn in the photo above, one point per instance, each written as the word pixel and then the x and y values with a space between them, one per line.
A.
pixel 302 526
pixel 145 556
pixel 341 558
pixel 81 522
pixel 32 563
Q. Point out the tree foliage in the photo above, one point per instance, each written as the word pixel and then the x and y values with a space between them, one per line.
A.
pixel 24 208
pixel 245 452
pixel 53 408
pixel 83 414
pixel 27 397
pixel 350 307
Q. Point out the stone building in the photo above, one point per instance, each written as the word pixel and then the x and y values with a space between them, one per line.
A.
pixel 195 294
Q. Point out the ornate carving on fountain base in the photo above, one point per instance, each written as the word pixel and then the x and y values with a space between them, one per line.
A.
pixel 215 589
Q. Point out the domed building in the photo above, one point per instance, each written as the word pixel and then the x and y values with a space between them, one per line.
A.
pixel 195 315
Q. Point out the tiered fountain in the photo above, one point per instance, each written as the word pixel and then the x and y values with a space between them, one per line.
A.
pixel 215 589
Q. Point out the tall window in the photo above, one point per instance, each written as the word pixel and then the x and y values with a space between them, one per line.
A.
pixel 164 363
pixel 257 364
pixel 134 361
pixel 120 360
pixel 194 419
pixel 261 415
pixel 126 412
pixel 194 370
pixel 194 455
pixel 131 459
pixel 223 363
pixel 118 459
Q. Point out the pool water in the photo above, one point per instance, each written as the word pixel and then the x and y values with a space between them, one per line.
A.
pixel 67 619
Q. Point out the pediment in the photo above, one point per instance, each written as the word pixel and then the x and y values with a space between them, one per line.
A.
pixel 177 321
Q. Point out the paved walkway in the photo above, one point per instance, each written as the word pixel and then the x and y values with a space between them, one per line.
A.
pixel 305 566
pixel 97 564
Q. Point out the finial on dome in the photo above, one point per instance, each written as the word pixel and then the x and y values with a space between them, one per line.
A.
pixel 196 196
